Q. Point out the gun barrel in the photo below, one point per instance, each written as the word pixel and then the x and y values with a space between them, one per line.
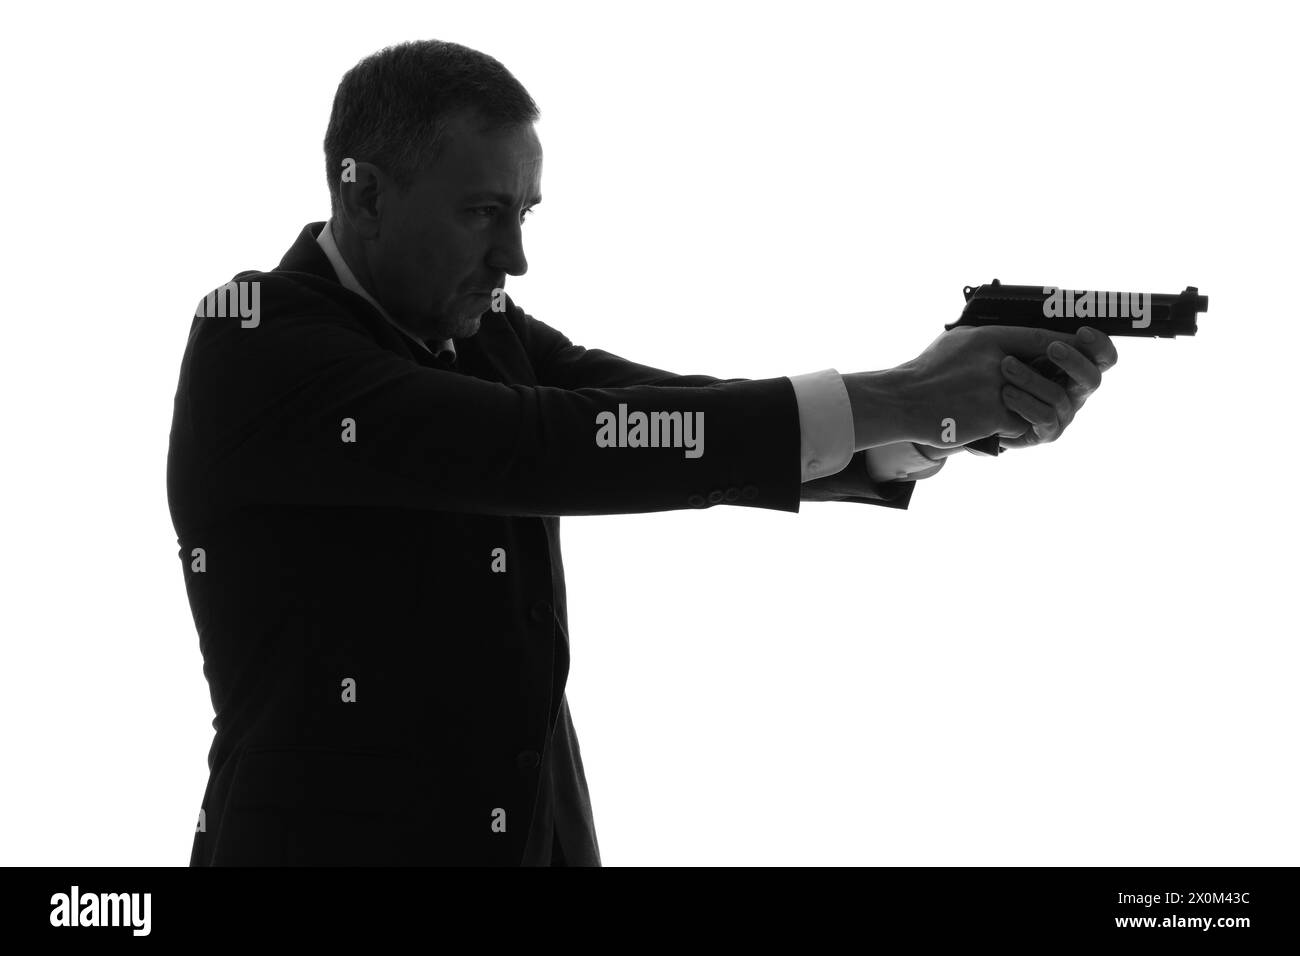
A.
pixel 1065 310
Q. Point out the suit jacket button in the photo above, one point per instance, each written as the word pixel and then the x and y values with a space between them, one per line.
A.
pixel 541 611
pixel 715 496
pixel 696 501
pixel 528 759
pixel 733 494
pixel 749 492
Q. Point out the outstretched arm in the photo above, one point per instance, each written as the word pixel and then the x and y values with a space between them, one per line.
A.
pixel 831 469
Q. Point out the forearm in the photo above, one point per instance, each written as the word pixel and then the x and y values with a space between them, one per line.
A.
pixel 883 413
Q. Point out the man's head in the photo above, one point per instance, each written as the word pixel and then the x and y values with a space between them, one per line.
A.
pixel 447 164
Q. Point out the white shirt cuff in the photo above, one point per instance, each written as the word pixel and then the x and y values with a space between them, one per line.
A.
pixel 825 423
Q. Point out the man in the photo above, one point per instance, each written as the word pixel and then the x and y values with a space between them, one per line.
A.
pixel 372 445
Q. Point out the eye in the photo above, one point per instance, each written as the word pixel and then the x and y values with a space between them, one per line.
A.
pixel 487 212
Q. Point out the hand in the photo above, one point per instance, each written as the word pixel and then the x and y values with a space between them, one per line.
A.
pixel 953 391
pixel 1049 402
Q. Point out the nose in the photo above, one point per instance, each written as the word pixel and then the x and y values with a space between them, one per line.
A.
pixel 507 253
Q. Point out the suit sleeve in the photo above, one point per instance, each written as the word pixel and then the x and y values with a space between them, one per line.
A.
pixel 307 408
pixel 557 361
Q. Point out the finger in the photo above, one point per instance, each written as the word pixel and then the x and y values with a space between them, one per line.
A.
pixel 1041 417
pixel 1073 362
pixel 1098 346
pixel 1041 387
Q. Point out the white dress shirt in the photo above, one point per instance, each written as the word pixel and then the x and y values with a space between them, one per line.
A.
pixel 825 415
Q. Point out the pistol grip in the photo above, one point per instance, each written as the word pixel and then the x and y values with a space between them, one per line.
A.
pixel 986 446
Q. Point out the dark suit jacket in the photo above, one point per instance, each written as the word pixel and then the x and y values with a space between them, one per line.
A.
pixel 325 562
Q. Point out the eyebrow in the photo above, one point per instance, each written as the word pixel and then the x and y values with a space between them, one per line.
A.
pixel 505 199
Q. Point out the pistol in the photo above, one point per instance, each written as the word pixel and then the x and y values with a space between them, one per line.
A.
pixel 1144 314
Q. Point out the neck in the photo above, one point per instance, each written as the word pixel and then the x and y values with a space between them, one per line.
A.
pixel 352 250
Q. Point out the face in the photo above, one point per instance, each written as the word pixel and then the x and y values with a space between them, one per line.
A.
pixel 432 255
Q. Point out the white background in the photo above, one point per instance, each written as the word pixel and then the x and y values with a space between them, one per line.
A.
pixel 1082 654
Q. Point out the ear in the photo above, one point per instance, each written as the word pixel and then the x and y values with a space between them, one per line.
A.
pixel 363 188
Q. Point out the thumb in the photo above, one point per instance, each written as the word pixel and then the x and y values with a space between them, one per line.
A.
pixel 1025 342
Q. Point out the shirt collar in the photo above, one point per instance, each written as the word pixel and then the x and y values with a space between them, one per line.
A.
pixel 349 282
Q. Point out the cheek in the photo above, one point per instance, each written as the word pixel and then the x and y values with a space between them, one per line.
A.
pixel 447 268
